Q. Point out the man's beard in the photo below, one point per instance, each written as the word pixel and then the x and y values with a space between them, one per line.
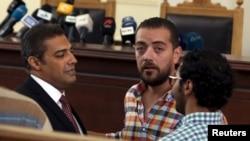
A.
pixel 158 80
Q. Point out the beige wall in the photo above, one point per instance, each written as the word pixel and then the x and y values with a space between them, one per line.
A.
pixel 141 9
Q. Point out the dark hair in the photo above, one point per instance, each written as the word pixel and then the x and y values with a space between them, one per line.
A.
pixel 157 22
pixel 211 76
pixel 33 43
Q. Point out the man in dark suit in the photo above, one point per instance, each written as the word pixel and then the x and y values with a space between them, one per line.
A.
pixel 48 57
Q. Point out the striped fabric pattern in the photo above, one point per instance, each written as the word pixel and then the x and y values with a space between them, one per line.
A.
pixel 18 110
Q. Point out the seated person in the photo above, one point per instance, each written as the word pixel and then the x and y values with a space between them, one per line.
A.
pixel 201 87
pixel 19 110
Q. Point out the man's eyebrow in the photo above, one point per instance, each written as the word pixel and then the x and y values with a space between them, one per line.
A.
pixel 158 42
pixel 140 42
pixel 155 42
pixel 60 50
pixel 64 49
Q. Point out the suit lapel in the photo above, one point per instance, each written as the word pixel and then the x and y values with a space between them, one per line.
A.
pixel 49 104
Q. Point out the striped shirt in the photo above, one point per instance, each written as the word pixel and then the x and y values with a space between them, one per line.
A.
pixel 19 110
pixel 161 119
pixel 194 127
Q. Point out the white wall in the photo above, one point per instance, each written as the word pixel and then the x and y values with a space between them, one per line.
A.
pixel 142 9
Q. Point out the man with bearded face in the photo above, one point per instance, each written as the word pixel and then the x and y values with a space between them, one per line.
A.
pixel 149 107
pixel 150 111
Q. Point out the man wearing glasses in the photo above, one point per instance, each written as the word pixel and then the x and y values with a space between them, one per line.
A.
pixel 201 87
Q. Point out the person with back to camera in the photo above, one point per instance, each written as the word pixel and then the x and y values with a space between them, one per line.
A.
pixel 48 57
pixel 201 87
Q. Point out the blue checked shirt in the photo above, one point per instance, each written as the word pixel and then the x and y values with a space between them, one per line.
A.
pixel 194 127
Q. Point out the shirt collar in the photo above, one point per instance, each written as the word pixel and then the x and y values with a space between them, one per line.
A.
pixel 203 117
pixel 141 87
pixel 54 93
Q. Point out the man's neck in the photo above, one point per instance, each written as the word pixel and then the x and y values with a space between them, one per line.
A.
pixel 193 107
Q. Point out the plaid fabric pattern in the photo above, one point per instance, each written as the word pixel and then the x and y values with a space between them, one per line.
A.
pixel 160 121
pixel 194 127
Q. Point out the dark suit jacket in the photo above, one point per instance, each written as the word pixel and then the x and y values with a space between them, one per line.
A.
pixel 58 119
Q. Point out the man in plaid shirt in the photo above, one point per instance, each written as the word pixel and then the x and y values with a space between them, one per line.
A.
pixel 150 111
pixel 149 106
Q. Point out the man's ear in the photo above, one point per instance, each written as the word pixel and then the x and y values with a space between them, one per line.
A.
pixel 188 87
pixel 177 54
pixel 34 63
